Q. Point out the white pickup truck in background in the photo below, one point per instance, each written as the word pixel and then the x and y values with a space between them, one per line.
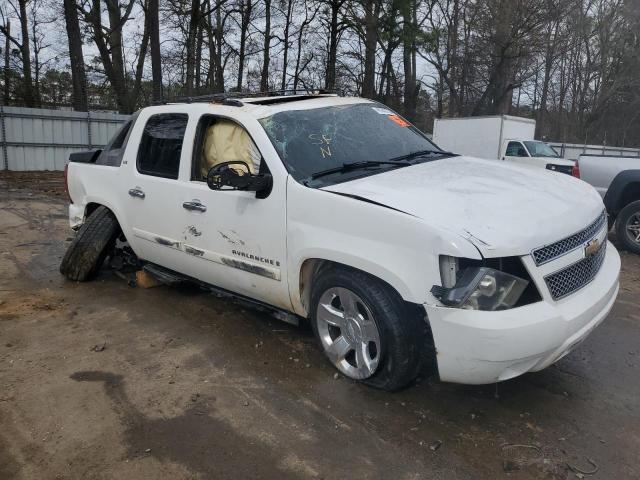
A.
pixel 617 180
pixel 339 211
pixel 500 137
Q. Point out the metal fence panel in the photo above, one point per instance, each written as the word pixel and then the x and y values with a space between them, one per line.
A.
pixel 40 139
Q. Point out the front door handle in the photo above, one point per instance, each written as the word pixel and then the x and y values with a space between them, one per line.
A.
pixel 136 192
pixel 194 206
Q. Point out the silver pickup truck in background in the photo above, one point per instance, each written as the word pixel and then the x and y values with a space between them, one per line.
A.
pixel 617 180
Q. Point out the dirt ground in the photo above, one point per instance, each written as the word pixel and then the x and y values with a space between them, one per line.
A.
pixel 102 380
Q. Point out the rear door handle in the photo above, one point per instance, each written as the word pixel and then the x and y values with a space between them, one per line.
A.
pixel 136 192
pixel 194 205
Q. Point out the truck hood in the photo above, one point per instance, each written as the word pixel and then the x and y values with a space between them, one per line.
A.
pixel 503 210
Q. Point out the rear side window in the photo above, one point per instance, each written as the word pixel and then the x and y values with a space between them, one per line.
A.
pixel 161 145
pixel 112 153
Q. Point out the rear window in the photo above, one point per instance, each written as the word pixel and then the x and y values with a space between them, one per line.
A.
pixel 161 145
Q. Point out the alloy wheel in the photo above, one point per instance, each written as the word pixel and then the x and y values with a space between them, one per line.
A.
pixel 633 228
pixel 348 333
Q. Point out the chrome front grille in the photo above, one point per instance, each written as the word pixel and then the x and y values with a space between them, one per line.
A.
pixel 576 276
pixel 550 252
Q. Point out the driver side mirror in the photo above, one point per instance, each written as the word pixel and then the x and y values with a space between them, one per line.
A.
pixel 236 175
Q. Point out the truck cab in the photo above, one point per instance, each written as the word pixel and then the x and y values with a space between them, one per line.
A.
pixel 535 153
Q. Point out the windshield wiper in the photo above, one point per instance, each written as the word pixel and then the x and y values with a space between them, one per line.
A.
pixel 423 153
pixel 348 167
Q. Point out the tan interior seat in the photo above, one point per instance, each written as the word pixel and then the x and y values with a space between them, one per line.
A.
pixel 225 141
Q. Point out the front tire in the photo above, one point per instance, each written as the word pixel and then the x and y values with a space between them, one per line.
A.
pixel 365 328
pixel 628 227
pixel 87 251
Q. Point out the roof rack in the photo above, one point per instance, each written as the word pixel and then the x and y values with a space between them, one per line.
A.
pixel 233 98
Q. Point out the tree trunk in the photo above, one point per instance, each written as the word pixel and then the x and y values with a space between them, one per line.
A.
pixel 191 45
pixel 211 44
pixel 244 26
pixel 78 76
pixel 296 72
pixel 330 76
pixel 219 74
pixel 7 59
pixel 409 30
pixel 156 59
pixel 118 80
pixel 372 10
pixel 264 77
pixel 285 52
pixel 548 64
pixel 454 74
pixel 137 83
pixel 25 54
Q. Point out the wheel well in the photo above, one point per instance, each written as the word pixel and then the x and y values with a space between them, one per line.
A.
pixel 312 267
pixel 93 206
pixel 90 208
pixel 631 193
pixel 308 270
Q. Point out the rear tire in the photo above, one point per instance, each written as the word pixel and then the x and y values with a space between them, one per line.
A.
pixel 628 227
pixel 398 339
pixel 87 251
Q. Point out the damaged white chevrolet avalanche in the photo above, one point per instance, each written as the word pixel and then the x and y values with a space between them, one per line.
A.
pixel 339 211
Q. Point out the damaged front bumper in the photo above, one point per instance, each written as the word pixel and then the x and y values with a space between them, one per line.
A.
pixel 480 347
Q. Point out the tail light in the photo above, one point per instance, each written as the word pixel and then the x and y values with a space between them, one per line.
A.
pixel 575 171
pixel 66 182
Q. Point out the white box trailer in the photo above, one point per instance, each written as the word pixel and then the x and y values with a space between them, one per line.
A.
pixel 500 137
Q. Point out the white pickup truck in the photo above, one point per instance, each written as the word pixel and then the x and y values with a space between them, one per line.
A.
pixel 339 211
pixel 617 180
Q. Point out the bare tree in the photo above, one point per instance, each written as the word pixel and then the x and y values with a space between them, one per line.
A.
pixel 109 41
pixel 23 45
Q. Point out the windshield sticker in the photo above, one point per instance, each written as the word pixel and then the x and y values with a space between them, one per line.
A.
pixel 382 111
pixel 322 141
pixel 400 121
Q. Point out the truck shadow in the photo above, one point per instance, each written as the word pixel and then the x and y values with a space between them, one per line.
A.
pixel 196 439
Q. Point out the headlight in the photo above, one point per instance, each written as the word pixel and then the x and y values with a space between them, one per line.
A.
pixel 482 288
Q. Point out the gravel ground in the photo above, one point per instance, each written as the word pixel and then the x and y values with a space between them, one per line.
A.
pixel 101 380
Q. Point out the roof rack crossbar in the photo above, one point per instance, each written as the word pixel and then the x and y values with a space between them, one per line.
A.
pixel 231 98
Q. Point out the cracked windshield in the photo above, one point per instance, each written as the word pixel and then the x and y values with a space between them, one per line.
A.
pixel 322 139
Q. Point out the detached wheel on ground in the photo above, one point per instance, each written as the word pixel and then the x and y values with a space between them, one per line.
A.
pixel 87 251
pixel 628 227
pixel 365 328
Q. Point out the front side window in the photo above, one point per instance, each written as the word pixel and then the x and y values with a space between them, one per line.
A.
pixel 515 149
pixel 540 149
pixel 222 140
pixel 161 145
pixel 321 139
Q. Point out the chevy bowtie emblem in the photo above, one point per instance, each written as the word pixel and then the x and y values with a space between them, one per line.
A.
pixel 591 248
